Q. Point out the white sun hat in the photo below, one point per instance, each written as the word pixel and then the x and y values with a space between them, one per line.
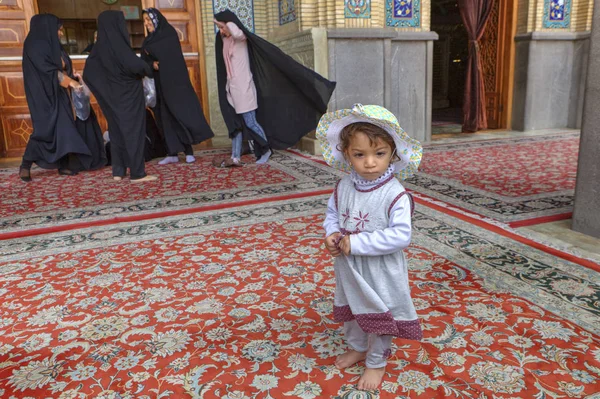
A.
pixel 331 124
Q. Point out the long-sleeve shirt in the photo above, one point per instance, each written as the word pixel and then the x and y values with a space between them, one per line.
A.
pixel 394 238
pixel 241 91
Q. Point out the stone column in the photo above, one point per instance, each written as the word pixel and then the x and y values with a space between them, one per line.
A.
pixel 586 215
pixel 382 66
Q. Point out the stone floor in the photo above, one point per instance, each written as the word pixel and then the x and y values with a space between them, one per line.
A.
pixel 558 233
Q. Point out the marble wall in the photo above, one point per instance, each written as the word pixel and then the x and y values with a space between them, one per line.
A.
pixel 550 72
pixel 388 68
pixel 551 53
pixel 586 215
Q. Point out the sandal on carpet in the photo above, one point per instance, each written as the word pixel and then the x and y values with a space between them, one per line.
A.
pixel 66 172
pixel 145 179
pixel 25 174
pixel 226 163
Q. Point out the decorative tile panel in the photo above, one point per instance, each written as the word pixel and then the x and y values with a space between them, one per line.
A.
pixel 244 9
pixel 557 14
pixel 357 8
pixel 287 11
pixel 403 13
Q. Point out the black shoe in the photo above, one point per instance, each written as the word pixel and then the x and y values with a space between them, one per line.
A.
pixel 25 174
pixel 66 172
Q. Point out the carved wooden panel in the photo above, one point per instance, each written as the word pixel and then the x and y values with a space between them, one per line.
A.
pixel 492 107
pixel 10 4
pixel 488 50
pixel 183 16
pixel 11 9
pixel 13 91
pixel 182 31
pixel 171 4
pixel 12 36
pixel 194 72
pixel 17 128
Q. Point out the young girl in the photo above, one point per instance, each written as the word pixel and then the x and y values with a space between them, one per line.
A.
pixel 368 224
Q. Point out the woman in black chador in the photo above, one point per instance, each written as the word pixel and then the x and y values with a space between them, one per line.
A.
pixel 114 75
pixel 264 92
pixel 178 111
pixel 55 142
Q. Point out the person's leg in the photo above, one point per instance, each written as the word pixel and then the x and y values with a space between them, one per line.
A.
pixel 63 166
pixel 118 161
pixel 135 153
pixel 25 170
pixel 377 354
pixel 252 124
pixel 358 342
pixel 189 153
pixel 236 147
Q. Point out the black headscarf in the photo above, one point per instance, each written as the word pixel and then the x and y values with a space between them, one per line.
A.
pixel 54 133
pixel 113 50
pixel 162 28
pixel 291 98
pixel 177 110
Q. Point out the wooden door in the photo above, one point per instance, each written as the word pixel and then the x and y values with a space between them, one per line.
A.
pixel 186 18
pixel 489 62
pixel 15 121
pixel 497 58
pixel 15 124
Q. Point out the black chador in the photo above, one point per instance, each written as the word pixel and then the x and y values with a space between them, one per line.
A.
pixel 114 75
pixel 291 98
pixel 89 129
pixel 177 111
pixel 55 136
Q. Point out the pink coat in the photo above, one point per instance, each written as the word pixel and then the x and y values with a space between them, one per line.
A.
pixel 241 91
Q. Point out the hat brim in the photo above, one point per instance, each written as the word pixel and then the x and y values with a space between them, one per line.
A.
pixel 409 150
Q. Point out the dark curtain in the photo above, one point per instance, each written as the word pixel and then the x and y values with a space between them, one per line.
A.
pixel 475 14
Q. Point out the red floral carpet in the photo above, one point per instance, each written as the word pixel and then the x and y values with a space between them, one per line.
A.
pixel 237 304
pixel 514 171
pixel 52 200
pixel 510 180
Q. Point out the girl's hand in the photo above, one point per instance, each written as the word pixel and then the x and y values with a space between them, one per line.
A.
pixel 330 244
pixel 75 85
pixel 345 245
pixel 155 65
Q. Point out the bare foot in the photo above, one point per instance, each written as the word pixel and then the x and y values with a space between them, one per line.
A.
pixel 371 379
pixel 117 178
pixel 350 358
pixel 145 178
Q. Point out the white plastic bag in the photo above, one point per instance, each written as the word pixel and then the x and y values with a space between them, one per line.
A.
pixel 149 92
pixel 81 101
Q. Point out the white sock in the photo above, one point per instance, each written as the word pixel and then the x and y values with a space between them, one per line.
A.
pixel 190 159
pixel 169 160
pixel 264 158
